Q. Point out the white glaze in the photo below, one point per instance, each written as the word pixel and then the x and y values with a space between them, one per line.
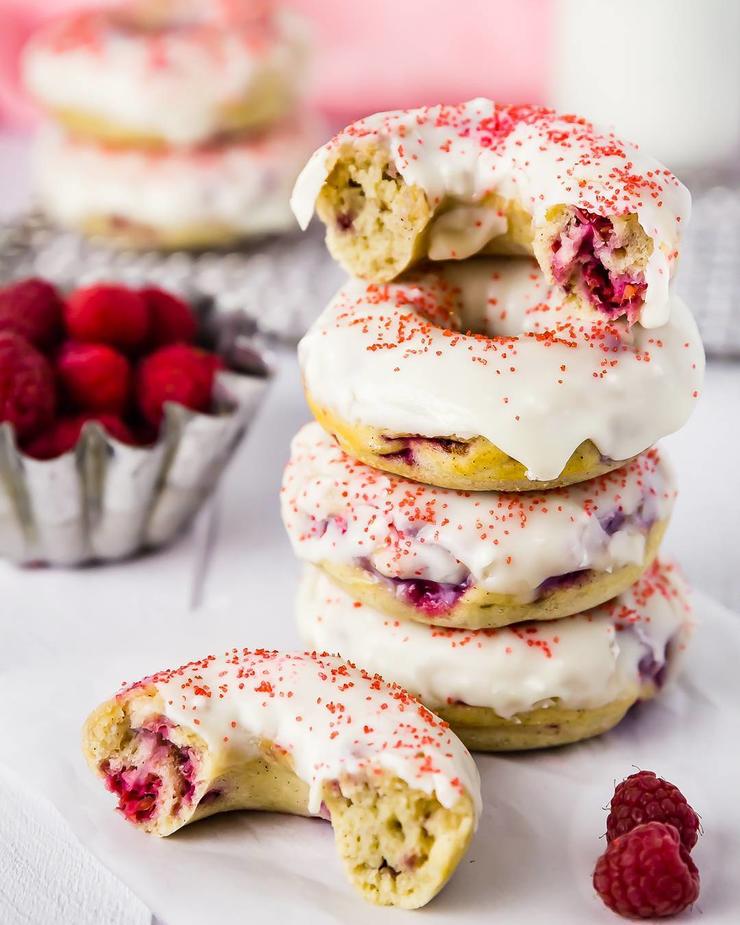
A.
pixel 452 152
pixel 242 185
pixel 338 510
pixel 173 84
pixel 537 401
pixel 584 661
pixel 330 718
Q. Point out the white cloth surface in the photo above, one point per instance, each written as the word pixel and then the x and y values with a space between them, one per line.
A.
pixel 35 838
pixel 68 638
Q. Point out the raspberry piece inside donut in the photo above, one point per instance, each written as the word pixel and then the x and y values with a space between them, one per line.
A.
pixel 593 255
pixel 432 597
pixel 151 774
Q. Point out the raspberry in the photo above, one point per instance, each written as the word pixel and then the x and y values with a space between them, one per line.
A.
pixel 27 395
pixel 643 797
pixel 647 873
pixel 171 320
pixel 33 309
pixel 178 373
pixel 94 377
pixel 108 314
pixel 64 433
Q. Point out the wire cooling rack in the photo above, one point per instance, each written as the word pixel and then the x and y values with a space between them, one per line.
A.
pixel 709 275
pixel 283 283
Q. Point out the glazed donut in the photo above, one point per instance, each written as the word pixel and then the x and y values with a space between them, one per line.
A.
pixel 297 733
pixel 446 182
pixel 201 197
pixel 469 559
pixel 477 376
pixel 174 73
pixel 528 686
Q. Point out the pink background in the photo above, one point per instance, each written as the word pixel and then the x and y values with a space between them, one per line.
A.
pixel 371 55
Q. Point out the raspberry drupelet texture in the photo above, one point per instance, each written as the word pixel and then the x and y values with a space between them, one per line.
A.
pixel 171 320
pixel 27 396
pixel 645 797
pixel 108 313
pixel 94 377
pixel 177 373
pixel 33 309
pixel 647 873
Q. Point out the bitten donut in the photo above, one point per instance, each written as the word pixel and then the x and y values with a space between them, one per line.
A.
pixel 528 686
pixel 297 733
pixel 446 182
pixel 171 72
pixel 200 197
pixel 472 559
pixel 478 376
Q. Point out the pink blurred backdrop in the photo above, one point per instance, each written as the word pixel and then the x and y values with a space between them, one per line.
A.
pixel 376 55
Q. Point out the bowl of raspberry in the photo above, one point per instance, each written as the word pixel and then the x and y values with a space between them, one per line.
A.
pixel 119 410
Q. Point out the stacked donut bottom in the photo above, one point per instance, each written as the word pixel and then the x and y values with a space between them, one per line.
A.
pixel 558 655
pixel 535 685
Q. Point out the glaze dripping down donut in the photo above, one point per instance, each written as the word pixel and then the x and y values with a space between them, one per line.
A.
pixel 479 375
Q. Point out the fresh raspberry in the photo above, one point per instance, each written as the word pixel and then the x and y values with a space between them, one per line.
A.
pixel 27 395
pixel 64 433
pixel 171 320
pixel 647 873
pixel 643 797
pixel 178 373
pixel 33 309
pixel 94 377
pixel 108 314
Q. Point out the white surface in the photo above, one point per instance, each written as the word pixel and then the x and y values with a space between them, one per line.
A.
pixel 48 877
pixel 238 562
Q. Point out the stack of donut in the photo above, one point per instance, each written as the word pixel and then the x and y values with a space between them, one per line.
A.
pixel 481 503
pixel 172 123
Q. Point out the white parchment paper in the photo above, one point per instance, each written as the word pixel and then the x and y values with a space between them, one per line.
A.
pixel 544 813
